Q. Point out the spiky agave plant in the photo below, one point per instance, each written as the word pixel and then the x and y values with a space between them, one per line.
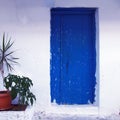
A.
pixel 7 60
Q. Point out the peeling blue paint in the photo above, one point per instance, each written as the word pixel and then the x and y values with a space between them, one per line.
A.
pixel 73 55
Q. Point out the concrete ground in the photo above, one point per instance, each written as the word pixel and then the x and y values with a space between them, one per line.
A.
pixel 44 116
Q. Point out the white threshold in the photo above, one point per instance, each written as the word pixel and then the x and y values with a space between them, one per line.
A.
pixel 73 109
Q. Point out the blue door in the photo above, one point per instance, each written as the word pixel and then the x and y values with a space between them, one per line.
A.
pixel 73 55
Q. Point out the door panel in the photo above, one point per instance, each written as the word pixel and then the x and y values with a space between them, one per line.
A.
pixel 73 36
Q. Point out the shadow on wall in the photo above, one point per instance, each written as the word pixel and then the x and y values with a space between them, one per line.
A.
pixel 118 3
pixel 34 3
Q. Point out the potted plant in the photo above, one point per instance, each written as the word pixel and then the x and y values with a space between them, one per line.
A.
pixel 21 87
pixel 7 61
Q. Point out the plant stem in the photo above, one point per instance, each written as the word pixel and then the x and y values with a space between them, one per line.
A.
pixel 2 75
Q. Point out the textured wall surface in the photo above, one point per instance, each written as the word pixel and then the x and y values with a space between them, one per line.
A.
pixel 28 22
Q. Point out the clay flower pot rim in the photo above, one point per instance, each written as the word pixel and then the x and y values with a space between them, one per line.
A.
pixel 4 93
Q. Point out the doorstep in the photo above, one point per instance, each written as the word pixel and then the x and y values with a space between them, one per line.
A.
pixel 74 109
pixel 18 115
pixel 67 112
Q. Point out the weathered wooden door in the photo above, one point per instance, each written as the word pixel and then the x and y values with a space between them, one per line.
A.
pixel 73 55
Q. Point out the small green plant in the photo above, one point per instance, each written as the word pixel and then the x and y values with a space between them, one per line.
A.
pixel 7 60
pixel 20 86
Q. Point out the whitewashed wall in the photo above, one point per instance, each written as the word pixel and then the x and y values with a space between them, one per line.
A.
pixel 28 22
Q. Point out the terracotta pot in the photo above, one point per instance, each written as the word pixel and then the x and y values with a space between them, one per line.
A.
pixel 5 100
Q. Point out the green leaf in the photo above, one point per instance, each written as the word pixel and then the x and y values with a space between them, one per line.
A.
pixel 14 93
pixel 6 54
pixel 3 43
pixel 31 101
pixel 11 60
pixel 8 44
pixel 22 87
pixel 9 53
pixel 9 66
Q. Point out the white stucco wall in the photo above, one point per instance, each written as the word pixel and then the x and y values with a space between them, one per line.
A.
pixel 28 22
